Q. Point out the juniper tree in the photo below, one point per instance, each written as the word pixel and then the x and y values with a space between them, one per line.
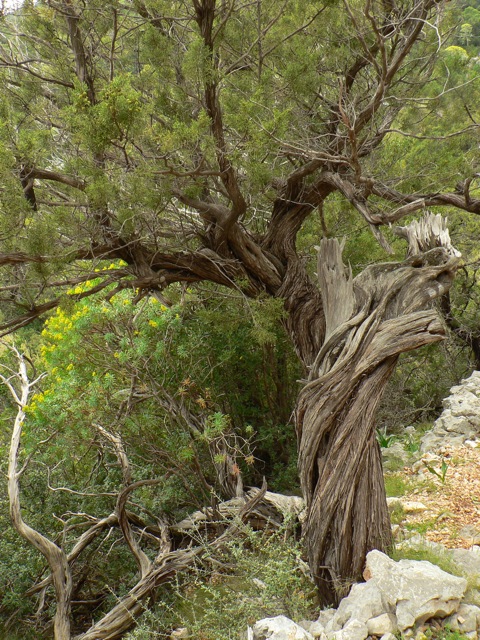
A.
pixel 193 141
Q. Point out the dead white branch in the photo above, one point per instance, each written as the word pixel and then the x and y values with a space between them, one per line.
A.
pixel 55 556
pixel 429 232
pixel 143 562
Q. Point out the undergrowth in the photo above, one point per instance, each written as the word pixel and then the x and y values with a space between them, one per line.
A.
pixel 260 575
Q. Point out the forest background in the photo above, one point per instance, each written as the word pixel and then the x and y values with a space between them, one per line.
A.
pixel 120 124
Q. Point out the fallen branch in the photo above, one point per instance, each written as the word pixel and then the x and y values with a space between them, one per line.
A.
pixel 122 617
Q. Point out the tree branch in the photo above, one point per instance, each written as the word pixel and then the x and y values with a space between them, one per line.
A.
pixel 205 14
pixel 143 562
pixel 56 557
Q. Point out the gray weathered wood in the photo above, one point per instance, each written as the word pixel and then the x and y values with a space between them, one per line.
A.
pixel 370 321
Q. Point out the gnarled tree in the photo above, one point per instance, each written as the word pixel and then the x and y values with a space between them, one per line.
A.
pixel 190 142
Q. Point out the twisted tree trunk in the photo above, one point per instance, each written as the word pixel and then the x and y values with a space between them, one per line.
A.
pixel 370 320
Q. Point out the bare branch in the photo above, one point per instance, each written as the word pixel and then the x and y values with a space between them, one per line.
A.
pixel 56 558
pixel 45 174
pixel 415 202
pixel 24 66
pixel 454 134
pixel 142 560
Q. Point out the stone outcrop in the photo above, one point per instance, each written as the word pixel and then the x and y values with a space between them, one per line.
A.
pixel 397 597
pixel 365 601
pixel 468 560
pixel 415 591
pixel 279 628
pixel 460 420
pixel 466 620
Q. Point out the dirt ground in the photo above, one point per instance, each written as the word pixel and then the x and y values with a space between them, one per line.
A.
pixel 452 516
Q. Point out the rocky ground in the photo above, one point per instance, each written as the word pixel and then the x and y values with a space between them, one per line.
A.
pixel 437 477
pixel 433 486
pixel 445 509
pixel 436 511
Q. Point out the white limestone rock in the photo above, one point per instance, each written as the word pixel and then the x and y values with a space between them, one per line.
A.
pixel 179 634
pixel 388 636
pixel 465 620
pixel 468 560
pixel 381 625
pixel 326 616
pixel 460 420
pixel 408 506
pixel 279 628
pixel 415 590
pixel 315 629
pixel 470 533
pixel 472 444
pixel 365 601
pixel 395 452
pixel 353 630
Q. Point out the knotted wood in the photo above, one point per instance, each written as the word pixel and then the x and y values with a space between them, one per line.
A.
pixel 370 321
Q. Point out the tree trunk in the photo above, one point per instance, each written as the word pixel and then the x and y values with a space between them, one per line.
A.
pixel 369 320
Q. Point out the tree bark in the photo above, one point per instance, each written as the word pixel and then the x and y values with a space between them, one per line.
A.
pixel 369 320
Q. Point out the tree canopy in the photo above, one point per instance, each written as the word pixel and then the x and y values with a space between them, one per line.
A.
pixel 194 141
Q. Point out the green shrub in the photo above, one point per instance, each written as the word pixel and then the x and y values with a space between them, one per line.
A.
pixel 258 576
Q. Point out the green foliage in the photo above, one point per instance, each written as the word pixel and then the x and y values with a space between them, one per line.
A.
pixel 19 566
pixel 266 578
pixel 100 354
pixel 385 440
pixel 441 472
pixel 396 485
pixel 412 441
